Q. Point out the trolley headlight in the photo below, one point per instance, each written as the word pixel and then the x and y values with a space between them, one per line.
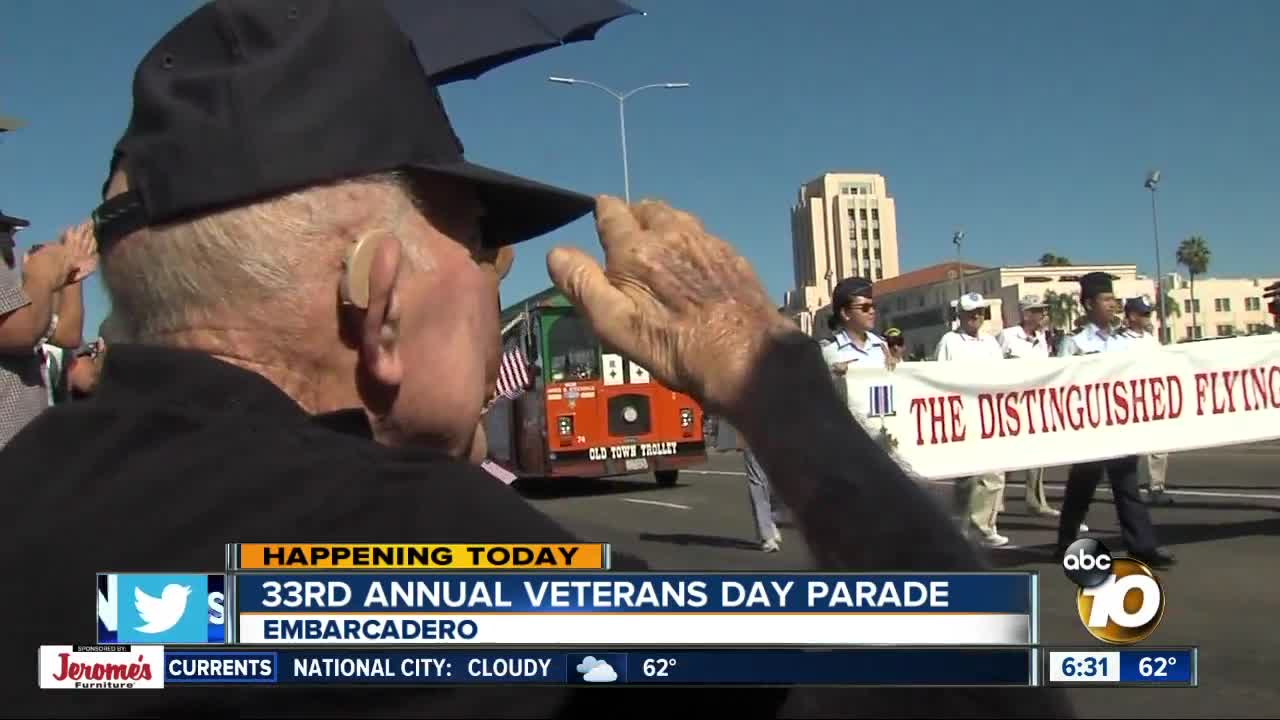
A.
pixel 686 417
pixel 566 425
pixel 630 414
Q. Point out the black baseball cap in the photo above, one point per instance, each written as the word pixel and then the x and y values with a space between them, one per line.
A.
pixel 248 99
pixel 11 222
pixel 1137 305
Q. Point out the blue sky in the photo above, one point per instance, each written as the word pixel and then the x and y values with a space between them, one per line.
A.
pixel 1029 124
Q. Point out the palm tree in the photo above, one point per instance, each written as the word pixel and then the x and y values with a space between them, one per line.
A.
pixel 1049 260
pixel 1061 309
pixel 1193 253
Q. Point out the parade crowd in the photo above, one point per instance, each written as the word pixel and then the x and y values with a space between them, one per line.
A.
pixel 1109 325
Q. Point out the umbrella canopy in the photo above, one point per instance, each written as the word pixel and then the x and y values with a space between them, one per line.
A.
pixel 10 123
pixel 463 39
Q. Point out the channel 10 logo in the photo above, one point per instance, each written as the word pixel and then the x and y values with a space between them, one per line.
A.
pixel 1120 600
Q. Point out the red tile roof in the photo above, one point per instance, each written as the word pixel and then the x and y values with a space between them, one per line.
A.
pixel 923 276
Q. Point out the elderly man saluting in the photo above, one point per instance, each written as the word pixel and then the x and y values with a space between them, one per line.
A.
pixel 978 497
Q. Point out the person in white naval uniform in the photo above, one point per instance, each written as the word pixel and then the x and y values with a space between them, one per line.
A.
pixel 977 497
pixel 1028 340
pixel 1099 335
pixel 1152 469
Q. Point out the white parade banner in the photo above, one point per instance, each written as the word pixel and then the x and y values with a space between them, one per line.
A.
pixel 952 419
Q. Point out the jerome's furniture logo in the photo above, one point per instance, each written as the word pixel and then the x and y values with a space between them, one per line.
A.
pixel 101 667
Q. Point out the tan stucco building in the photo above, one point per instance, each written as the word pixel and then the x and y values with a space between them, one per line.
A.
pixel 842 225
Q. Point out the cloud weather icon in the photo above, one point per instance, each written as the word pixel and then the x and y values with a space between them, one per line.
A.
pixel 162 613
pixel 596 671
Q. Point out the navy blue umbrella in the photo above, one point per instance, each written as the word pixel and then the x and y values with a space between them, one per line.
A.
pixel 463 39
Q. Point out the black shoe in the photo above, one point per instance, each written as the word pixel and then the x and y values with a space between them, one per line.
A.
pixel 1158 497
pixel 1158 558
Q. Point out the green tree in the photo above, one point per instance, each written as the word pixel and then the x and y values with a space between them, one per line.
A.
pixel 1061 309
pixel 1050 260
pixel 1193 254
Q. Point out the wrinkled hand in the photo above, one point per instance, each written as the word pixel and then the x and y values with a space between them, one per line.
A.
pixel 674 298
pixel 82 251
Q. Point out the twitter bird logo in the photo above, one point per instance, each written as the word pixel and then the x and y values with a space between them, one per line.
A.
pixel 162 613
pixel 165 609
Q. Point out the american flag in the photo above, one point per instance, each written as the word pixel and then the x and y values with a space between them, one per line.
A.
pixel 513 373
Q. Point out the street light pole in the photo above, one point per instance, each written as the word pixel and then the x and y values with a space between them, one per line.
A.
pixel 958 239
pixel 1166 333
pixel 622 115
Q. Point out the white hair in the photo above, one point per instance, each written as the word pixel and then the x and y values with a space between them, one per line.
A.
pixel 252 262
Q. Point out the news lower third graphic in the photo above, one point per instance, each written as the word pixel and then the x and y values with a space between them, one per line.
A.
pixel 1120 600
pixel 159 609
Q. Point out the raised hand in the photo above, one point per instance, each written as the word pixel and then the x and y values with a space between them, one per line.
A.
pixel 674 298
pixel 82 251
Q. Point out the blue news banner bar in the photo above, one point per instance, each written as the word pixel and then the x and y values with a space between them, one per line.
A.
pixel 851 667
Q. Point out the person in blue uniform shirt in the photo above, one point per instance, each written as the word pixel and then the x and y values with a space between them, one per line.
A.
pixel 853 315
pixel 1100 335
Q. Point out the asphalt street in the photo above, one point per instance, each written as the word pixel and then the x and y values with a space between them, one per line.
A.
pixel 1224 526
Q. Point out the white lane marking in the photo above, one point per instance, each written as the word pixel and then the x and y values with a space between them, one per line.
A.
pixel 1195 493
pixel 657 502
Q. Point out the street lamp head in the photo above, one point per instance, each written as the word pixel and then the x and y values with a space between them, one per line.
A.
pixel 1153 179
pixel 671 86
pixel 958 237
pixel 565 80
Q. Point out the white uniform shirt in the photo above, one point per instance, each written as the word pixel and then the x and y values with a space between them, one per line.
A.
pixel 1017 343
pixel 840 348
pixel 960 346
pixel 1141 338
pixel 1093 339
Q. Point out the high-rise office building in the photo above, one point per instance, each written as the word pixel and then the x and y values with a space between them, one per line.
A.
pixel 843 224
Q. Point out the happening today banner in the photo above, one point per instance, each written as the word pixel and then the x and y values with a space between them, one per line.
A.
pixel 952 419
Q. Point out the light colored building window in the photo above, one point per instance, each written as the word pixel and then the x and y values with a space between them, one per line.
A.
pixel 1195 333
pixel 866 234
pixel 862 214
pixel 1253 304
pixel 875 214
pixel 1187 305
pixel 1222 305
pixel 1226 331
pixel 876 233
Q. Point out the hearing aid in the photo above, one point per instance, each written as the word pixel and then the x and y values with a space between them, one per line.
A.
pixel 354 286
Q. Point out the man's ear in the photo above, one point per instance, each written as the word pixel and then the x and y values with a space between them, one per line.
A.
pixel 370 290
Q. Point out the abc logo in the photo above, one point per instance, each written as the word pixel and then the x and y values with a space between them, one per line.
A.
pixel 1120 600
